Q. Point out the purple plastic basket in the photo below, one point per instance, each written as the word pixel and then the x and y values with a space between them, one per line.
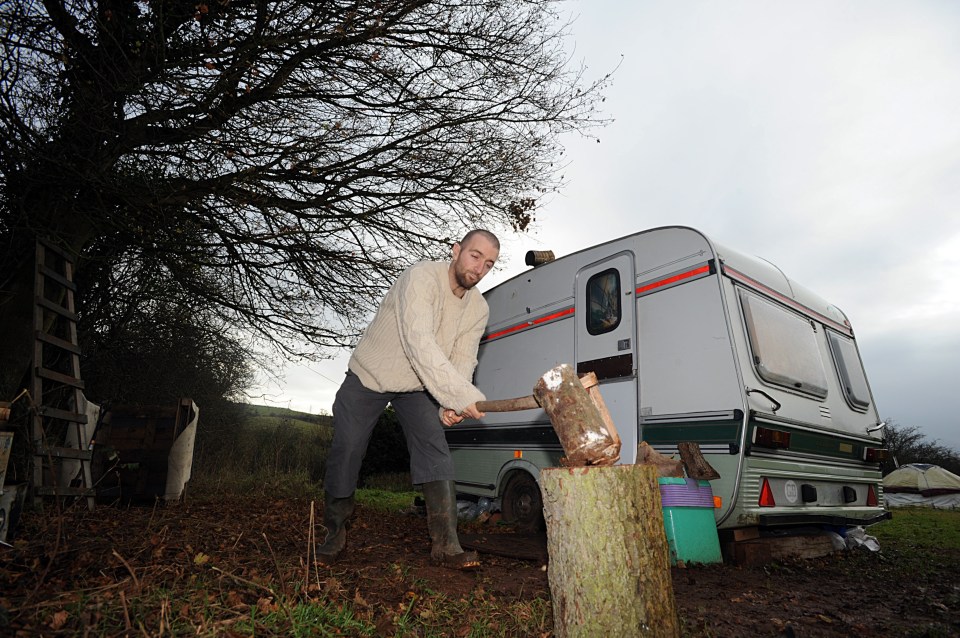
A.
pixel 685 493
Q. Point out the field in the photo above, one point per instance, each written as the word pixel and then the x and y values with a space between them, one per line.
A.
pixel 237 565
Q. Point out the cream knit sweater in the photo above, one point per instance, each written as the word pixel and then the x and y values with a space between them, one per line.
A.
pixel 424 337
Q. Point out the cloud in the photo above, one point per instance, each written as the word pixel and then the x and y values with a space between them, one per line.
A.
pixel 913 378
pixel 821 136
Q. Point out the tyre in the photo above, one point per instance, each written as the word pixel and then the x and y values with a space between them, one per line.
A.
pixel 522 503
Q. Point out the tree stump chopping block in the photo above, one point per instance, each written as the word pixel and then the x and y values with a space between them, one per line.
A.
pixel 609 569
pixel 576 418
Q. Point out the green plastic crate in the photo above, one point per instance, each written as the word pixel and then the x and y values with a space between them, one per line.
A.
pixel 689 521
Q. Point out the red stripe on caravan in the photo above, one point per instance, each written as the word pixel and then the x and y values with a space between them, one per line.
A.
pixel 528 324
pixel 702 270
pixel 796 305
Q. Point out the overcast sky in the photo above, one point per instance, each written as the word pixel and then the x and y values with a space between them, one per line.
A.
pixel 822 136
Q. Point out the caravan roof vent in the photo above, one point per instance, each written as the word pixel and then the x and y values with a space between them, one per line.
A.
pixel 539 257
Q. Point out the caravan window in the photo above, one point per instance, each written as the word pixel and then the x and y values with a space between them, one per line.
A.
pixel 784 346
pixel 852 378
pixel 603 301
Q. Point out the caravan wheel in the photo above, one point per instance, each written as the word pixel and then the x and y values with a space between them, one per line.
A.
pixel 522 503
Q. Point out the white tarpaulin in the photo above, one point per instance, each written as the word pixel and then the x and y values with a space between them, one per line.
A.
pixel 905 499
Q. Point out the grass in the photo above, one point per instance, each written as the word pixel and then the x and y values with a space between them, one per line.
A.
pixel 920 528
pixel 423 613
pixel 433 615
pixel 260 483
pixel 311 619
pixel 266 410
pixel 388 482
pixel 384 500
pixel 265 448
pixel 261 422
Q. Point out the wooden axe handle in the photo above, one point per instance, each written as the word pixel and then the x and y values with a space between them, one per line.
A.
pixel 508 405
pixel 528 402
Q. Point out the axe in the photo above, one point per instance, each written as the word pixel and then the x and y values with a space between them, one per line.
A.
pixel 577 412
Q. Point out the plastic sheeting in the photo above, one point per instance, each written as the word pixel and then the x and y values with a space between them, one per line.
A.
pixel 905 499
pixel 181 458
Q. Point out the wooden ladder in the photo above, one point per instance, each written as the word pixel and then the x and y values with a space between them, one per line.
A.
pixel 59 443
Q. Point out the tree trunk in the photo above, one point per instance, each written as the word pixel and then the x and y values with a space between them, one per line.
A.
pixel 609 567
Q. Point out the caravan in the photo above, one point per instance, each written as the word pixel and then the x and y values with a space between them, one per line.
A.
pixel 691 341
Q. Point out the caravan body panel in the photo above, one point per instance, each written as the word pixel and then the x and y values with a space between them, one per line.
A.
pixel 691 341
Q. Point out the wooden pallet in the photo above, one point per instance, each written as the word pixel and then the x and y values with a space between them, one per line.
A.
pixel 747 547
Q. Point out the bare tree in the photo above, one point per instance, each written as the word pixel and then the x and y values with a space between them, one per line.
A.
pixel 280 159
pixel 908 444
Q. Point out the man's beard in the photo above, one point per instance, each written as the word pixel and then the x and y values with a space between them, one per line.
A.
pixel 462 280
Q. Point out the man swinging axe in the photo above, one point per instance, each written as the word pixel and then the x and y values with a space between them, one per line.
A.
pixel 418 354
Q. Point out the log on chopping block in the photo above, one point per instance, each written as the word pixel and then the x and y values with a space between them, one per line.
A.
pixel 665 465
pixel 579 425
pixel 578 414
pixel 696 466
pixel 609 569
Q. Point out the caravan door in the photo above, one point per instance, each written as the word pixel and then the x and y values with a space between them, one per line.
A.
pixel 606 340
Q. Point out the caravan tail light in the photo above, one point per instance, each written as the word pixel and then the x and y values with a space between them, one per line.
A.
pixel 876 455
pixel 777 439
pixel 766 495
pixel 872 497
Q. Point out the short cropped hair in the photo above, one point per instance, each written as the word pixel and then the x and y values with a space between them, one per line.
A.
pixel 483 233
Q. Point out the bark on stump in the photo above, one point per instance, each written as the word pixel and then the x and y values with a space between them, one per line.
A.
pixel 609 569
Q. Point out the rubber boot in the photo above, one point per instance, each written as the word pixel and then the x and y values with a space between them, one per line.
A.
pixel 441 500
pixel 336 511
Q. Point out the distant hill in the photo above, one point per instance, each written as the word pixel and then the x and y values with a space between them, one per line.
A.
pixel 286 413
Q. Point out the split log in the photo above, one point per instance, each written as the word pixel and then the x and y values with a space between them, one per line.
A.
pixel 592 384
pixel 696 466
pixel 576 418
pixel 665 465
pixel 609 569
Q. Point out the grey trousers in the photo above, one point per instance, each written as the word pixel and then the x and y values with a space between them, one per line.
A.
pixel 356 410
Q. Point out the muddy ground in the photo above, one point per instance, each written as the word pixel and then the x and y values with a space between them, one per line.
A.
pixel 81 565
